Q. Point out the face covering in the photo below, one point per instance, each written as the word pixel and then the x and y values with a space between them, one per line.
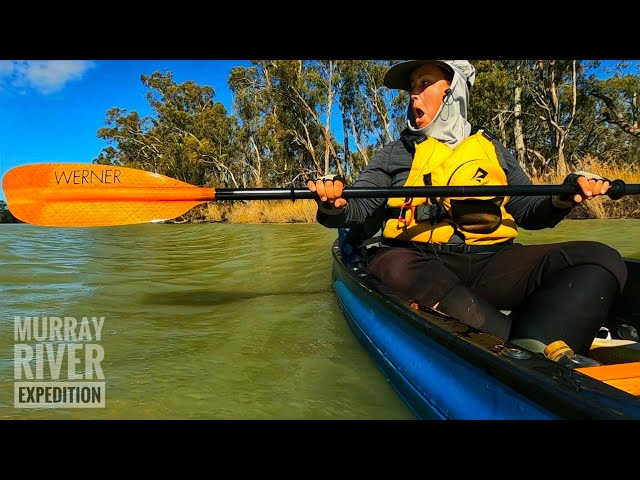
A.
pixel 450 124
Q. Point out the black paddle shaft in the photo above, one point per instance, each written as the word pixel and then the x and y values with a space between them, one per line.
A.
pixel 617 190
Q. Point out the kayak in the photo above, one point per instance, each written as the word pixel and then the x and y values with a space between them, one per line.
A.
pixel 443 369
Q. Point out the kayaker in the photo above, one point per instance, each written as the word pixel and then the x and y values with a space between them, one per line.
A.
pixel 458 256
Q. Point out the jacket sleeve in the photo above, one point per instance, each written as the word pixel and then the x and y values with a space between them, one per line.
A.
pixel 529 212
pixel 358 210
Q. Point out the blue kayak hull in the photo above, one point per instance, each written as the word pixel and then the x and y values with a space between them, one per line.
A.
pixel 443 369
pixel 433 382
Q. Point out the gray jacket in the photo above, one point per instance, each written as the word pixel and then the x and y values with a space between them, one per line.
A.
pixel 390 167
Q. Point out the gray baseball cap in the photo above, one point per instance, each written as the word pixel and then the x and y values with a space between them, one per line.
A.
pixel 399 76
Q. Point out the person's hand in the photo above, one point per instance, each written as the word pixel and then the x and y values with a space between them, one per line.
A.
pixel 591 185
pixel 329 189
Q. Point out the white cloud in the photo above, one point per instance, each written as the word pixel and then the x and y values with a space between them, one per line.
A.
pixel 44 76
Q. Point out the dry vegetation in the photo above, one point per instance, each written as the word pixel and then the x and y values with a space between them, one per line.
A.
pixel 262 211
pixel 304 211
pixel 603 207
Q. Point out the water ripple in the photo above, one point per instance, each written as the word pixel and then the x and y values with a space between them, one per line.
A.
pixel 201 321
pixel 211 321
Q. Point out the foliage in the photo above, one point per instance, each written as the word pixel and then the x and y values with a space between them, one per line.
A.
pixel 296 119
pixel 189 137
pixel 5 214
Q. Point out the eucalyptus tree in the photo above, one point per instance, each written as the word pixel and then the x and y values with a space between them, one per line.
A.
pixel 363 102
pixel 302 89
pixel 285 96
pixel 619 97
pixel 5 214
pixel 291 111
pixel 497 104
pixel 189 136
pixel 197 133
pixel 588 138
pixel 324 77
pixel 130 144
pixel 554 88
pixel 260 147
pixel 617 108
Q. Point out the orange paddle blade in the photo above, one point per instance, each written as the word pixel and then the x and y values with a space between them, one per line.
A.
pixel 78 195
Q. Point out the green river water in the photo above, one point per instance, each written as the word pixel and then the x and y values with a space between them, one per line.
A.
pixel 206 321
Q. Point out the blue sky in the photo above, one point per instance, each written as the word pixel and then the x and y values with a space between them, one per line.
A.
pixel 50 110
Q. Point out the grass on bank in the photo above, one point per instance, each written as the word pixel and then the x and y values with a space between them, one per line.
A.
pixel 304 211
pixel 603 207
pixel 261 211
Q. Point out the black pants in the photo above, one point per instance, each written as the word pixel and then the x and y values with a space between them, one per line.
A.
pixel 517 276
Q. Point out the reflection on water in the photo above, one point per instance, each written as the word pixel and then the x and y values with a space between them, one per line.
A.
pixel 211 321
pixel 212 298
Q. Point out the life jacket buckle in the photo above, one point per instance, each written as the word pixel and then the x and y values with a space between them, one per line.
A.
pixel 406 206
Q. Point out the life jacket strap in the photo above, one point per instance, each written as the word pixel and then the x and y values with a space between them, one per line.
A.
pixel 433 212
pixel 448 247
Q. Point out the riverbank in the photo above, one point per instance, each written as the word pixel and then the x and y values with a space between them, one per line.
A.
pixel 304 211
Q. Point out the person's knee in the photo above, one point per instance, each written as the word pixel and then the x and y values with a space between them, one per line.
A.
pixel 420 278
pixel 609 258
pixel 614 263
pixel 428 283
pixel 590 252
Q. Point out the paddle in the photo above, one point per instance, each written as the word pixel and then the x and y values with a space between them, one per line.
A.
pixel 83 195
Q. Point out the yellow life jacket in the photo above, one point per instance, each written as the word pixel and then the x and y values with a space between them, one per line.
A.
pixel 479 220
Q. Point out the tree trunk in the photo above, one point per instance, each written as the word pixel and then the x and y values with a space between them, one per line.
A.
pixel 517 126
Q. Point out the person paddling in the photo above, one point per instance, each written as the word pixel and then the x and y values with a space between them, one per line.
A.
pixel 459 255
